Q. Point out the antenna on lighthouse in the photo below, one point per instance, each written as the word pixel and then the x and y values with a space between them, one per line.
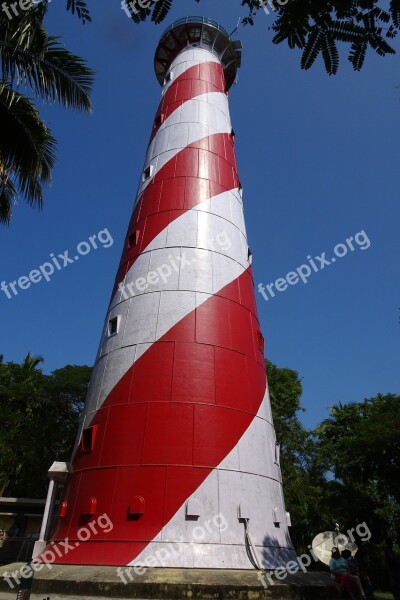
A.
pixel 236 28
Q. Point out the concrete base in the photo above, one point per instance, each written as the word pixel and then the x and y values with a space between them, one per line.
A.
pixel 72 582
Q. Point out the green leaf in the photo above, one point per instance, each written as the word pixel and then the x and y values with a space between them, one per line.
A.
pixel 161 11
pixel 312 48
pixel 330 54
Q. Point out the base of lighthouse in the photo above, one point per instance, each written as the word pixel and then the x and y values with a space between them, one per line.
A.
pixel 236 518
pixel 70 583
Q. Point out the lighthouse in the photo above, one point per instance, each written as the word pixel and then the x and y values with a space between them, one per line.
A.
pixel 176 450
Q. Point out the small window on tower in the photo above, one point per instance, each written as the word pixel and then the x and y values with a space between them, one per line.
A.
pixel 133 239
pixel 169 77
pixel 250 256
pixel 148 172
pixel 233 135
pixel 113 326
pixel 277 453
pixel 88 438
pixel 159 120
pixel 261 342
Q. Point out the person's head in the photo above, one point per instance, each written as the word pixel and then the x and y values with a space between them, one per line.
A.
pixel 346 553
pixel 335 552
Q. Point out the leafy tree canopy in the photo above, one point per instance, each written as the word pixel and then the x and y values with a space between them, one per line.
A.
pixel 303 478
pixel 360 445
pixel 346 471
pixel 39 419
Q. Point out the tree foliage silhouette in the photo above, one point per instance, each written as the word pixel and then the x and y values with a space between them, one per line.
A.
pixel 318 28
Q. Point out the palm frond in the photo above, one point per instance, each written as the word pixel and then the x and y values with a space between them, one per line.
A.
pixel 30 58
pixel 27 151
pixel 26 33
pixel 8 194
pixel 57 75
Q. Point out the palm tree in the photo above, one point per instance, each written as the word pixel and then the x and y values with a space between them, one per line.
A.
pixel 30 363
pixel 31 58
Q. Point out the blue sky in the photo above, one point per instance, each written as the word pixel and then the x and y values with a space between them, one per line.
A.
pixel 318 158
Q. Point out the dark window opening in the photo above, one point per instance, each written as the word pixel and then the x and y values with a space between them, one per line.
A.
pixel 88 438
pixel 261 342
pixel 168 78
pixel 133 239
pixel 147 173
pixel 113 326
pixel 159 120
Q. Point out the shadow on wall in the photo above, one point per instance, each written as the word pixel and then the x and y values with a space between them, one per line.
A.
pixel 273 555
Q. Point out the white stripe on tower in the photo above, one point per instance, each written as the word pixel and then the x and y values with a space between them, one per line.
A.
pixel 206 115
pixel 207 264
